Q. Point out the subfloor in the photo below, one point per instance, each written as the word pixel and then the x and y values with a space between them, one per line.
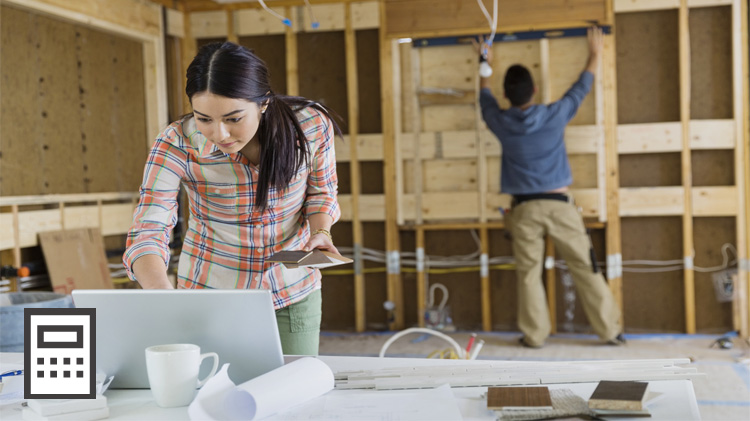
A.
pixel 722 394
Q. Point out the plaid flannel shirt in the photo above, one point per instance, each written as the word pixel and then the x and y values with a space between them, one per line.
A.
pixel 228 239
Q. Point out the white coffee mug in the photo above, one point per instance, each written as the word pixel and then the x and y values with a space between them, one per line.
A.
pixel 173 372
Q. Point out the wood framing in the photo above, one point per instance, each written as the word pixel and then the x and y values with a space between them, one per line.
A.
pixel 687 177
pixel 431 18
pixel 354 171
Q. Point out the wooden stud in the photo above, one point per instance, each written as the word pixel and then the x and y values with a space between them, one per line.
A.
pixel 421 279
pixel 601 153
pixel 292 66
pixel 416 126
pixel 231 32
pixel 740 78
pixel 550 283
pixel 387 49
pixel 189 50
pixel 486 290
pixel 354 171
pixel 545 83
pixel 16 237
pixel 626 6
pixel 611 159
pixel 100 215
pixel 481 157
pixel 687 179
pixel 400 103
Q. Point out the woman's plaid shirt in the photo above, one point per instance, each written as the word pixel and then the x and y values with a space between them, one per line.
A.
pixel 227 239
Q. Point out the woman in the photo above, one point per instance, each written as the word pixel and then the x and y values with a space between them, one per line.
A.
pixel 260 173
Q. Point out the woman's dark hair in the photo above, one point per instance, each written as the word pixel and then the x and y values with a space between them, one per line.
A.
pixel 233 71
pixel 518 85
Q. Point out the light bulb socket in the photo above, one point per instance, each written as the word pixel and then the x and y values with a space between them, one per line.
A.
pixel 482 58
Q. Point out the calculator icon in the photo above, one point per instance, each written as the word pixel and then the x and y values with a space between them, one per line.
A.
pixel 59 353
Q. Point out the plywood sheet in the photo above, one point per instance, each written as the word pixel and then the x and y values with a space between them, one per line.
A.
pixel 59 106
pixel 322 56
pixel 129 122
pixel 567 58
pixel 647 65
pixel 650 170
pixel 19 120
pixel 712 168
pixel 97 99
pixel 711 93
pixel 368 80
pixel 272 50
pixel 653 302
pixel 584 169
pixel 711 316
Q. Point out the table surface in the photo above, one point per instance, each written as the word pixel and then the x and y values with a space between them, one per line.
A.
pixel 678 401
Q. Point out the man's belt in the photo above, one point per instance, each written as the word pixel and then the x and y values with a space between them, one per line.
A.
pixel 520 198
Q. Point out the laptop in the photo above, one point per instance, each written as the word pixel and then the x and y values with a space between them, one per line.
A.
pixel 239 325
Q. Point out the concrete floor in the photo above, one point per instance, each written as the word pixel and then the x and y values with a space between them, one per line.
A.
pixel 723 394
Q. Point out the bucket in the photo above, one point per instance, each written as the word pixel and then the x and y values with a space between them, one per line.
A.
pixel 11 314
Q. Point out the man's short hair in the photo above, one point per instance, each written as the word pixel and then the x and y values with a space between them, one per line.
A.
pixel 518 85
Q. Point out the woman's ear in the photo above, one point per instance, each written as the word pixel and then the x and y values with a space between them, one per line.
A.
pixel 263 107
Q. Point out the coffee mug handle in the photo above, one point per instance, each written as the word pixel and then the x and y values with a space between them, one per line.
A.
pixel 215 356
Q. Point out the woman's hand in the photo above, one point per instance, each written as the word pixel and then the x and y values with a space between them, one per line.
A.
pixel 321 241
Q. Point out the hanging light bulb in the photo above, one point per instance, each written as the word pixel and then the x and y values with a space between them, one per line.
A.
pixel 485 70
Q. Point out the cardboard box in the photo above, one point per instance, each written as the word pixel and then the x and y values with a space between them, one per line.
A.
pixel 75 259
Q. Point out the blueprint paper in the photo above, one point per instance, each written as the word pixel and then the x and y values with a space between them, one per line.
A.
pixel 299 381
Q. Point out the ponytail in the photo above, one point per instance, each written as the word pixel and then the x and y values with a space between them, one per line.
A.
pixel 284 147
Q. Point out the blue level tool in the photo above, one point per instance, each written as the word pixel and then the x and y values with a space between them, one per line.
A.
pixel 508 36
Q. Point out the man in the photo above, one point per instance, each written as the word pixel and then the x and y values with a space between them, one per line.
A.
pixel 535 170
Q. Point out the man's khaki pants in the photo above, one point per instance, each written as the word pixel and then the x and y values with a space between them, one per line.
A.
pixel 531 220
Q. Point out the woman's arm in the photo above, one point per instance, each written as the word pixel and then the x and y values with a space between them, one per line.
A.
pixel 147 249
pixel 320 233
pixel 321 206
pixel 151 272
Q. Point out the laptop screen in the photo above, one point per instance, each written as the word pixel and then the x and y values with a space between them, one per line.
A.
pixel 239 325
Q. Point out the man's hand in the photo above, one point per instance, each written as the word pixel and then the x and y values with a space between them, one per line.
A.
pixel 483 47
pixel 596 43
pixel 596 40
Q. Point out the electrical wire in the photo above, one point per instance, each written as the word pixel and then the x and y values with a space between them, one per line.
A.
pixel 460 353
pixel 492 21
pixel 313 22
pixel 286 21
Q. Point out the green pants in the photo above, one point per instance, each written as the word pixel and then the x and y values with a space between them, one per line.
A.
pixel 299 325
pixel 531 221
